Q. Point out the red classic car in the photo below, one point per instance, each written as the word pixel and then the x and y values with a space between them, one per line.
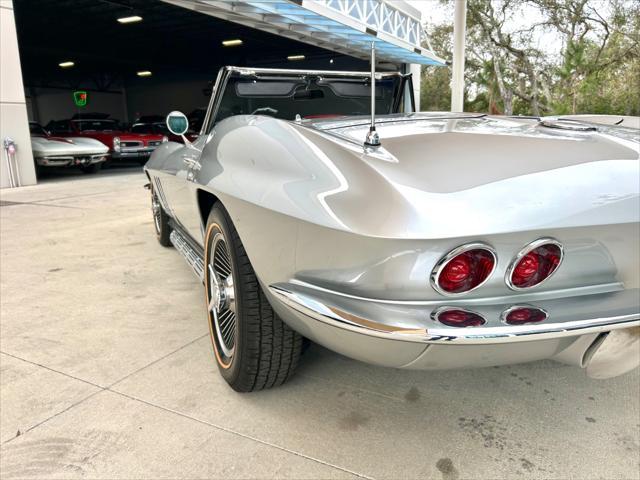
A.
pixel 122 145
pixel 157 124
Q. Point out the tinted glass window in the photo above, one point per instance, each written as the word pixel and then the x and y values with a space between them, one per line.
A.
pixel 36 129
pixel 309 97
pixel 142 129
pixel 95 125
pixel 161 128
pixel 61 127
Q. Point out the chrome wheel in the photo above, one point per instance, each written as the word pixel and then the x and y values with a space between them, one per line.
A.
pixel 156 209
pixel 222 297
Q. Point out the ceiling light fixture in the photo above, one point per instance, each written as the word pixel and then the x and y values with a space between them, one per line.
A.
pixel 236 42
pixel 144 73
pixel 294 58
pixel 67 64
pixel 131 19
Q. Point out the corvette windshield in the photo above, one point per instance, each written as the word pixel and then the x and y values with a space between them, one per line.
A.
pixel 159 128
pixel 36 129
pixel 96 125
pixel 310 96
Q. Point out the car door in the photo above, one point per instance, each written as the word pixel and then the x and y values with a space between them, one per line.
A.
pixel 180 188
pixel 185 193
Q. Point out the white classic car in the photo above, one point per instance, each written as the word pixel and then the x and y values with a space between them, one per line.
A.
pixel 49 151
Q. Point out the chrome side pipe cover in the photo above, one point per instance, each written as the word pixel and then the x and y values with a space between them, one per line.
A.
pixel 617 354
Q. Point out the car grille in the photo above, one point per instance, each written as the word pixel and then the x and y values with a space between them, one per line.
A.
pixel 131 144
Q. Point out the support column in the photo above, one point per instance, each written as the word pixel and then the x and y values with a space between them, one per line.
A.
pixel 457 77
pixel 14 122
pixel 416 72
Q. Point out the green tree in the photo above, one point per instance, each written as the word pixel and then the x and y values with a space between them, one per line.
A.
pixel 508 71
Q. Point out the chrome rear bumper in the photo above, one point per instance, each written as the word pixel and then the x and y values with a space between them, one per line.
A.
pixel 405 334
pixel 412 322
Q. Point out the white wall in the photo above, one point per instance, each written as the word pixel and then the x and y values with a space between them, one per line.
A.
pixel 13 110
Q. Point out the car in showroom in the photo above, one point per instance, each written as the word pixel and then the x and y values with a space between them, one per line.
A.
pixel 86 154
pixel 122 145
pixel 315 206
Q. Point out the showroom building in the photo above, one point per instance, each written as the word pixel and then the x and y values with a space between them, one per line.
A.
pixel 134 58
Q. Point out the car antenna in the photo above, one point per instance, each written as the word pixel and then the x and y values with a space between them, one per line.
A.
pixel 373 139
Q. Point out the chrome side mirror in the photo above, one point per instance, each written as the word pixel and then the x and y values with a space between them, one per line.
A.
pixel 177 123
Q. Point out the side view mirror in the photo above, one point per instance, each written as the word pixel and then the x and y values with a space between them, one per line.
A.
pixel 177 123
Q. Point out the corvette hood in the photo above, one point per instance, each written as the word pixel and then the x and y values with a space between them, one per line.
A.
pixel 443 153
pixel 463 173
pixel 43 146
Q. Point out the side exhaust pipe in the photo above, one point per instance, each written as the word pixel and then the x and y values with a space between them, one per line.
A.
pixel 616 354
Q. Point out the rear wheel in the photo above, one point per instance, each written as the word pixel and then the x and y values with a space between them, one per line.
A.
pixel 253 347
pixel 160 221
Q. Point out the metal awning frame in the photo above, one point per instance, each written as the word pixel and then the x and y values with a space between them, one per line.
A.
pixel 315 22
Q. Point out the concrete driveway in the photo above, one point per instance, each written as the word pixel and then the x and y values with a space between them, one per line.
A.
pixel 106 372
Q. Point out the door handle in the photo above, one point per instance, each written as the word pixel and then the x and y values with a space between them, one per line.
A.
pixel 191 162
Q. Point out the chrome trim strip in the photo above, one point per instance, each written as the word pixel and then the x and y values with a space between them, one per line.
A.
pixel 290 71
pixel 204 128
pixel 194 260
pixel 526 249
pixel 447 335
pixel 437 270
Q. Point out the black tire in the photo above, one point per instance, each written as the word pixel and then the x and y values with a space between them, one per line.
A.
pixel 265 350
pixel 160 221
pixel 39 170
pixel 93 168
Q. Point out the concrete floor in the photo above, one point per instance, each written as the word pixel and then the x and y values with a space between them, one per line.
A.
pixel 106 372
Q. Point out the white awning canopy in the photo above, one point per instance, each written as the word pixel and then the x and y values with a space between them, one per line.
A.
pixel 347 27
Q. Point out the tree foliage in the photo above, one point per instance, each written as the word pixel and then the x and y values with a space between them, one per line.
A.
pixel 541 57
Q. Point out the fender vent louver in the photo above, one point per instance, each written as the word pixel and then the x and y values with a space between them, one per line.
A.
pixel 161 197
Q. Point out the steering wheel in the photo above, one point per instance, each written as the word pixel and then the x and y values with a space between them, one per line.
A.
pixel 269 110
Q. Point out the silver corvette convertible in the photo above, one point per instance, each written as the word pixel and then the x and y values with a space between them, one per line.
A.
pixel 315 205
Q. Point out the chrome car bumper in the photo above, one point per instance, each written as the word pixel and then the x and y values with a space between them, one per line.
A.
pixel 405 334
pixel 70 160
pixel 135 153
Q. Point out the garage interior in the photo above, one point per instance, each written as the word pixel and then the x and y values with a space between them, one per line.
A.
pixel 182 48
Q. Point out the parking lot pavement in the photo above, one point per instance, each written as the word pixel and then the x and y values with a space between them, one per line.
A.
pixel 106 372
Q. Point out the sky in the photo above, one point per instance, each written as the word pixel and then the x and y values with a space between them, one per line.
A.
pixel 434 12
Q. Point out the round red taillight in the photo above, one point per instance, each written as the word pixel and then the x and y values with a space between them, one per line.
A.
pixel 534 264
pixel 457 317
pixel 463 269
pixel 519 315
